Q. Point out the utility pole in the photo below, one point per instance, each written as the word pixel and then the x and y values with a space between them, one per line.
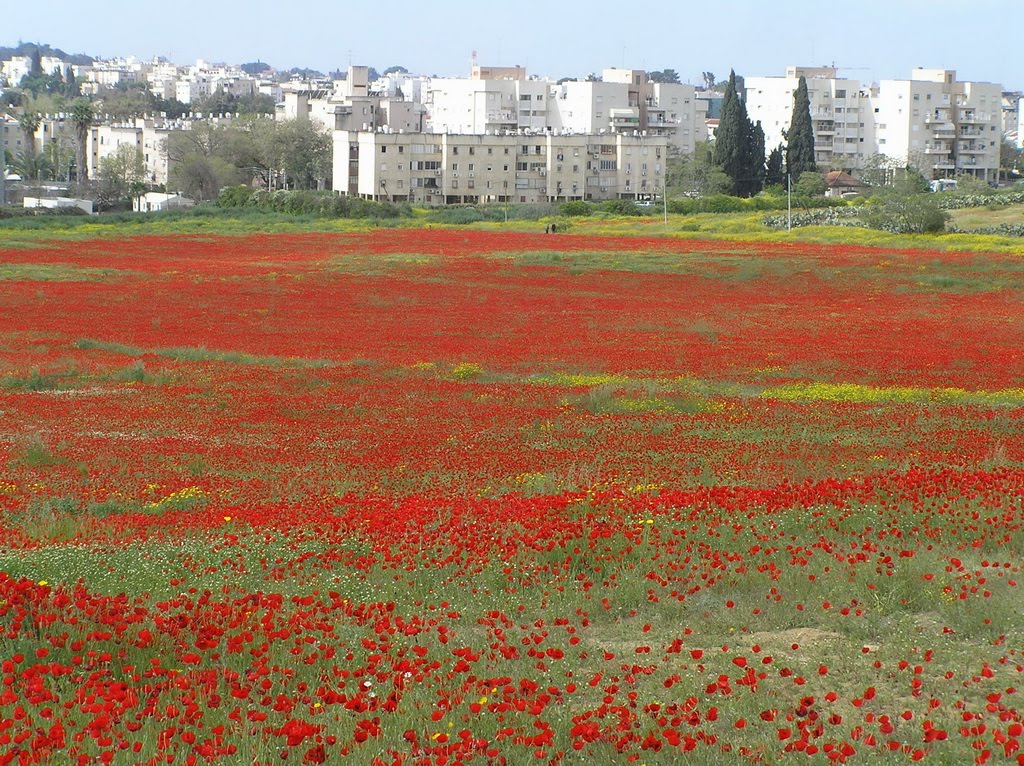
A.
pixel 789 202
pixel 3 163
pixel 664 192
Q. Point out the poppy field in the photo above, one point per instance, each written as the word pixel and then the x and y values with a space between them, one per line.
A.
pixel 434 496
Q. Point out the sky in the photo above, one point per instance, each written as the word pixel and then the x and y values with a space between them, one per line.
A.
pixel 869 40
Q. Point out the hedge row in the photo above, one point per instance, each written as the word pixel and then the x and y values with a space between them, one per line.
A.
pixel 319 203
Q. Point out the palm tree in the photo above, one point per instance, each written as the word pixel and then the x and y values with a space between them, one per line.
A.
pixel 82 118
pixel 29 123
pixel 31 166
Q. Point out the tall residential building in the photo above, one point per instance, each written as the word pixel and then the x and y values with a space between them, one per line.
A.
pixel 497 101
pixel 625 101
pixel 841 112
pixel 942 126
pixel 449 168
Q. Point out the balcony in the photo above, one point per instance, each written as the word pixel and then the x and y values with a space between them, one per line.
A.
pixel 972 149
pixel 941 133
pixel 970 118
pixel 967 162
pixel 825 129
pixel 935 149
pixel 502 117
pixel 625 118
pixel 936 119
pixel 944 164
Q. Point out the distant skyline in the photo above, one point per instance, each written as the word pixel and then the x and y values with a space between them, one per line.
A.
pixel 870 41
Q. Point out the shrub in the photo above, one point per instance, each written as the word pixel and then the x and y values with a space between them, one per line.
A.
pixel 621 207
pixel 324 204
pixel 575 208
pixel 916 214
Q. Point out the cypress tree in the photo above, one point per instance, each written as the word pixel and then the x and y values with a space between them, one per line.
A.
pixel 731 136
pixel 754 160
pixel 800 136
pixel 36 64
pixel 71 84
pixel 774 175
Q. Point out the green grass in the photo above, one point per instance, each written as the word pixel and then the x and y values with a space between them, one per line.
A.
pixel 197 354
pixel 55 272
pixel 748 226
pixel 982 217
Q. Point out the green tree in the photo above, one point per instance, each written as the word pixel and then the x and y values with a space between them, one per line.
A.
pixel 71 87
pixel 755 160
pixel 664 76
pixel 877 171
pixel 29 123
pixel 1011 160
pixel 739 144
pixel 202 177
pixel 774 175
pixel 811 183
pixel 301 151
pixel 696 175
pixel 35 68
pixel 731 135
pixel 32 166
pixel 902 213
pixel 119 177
pixel 800 136
pixel 82 117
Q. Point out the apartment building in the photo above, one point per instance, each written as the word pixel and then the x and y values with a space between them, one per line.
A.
pixel 499 100
pixel 485 105
pixel 12 70
pixel 624 101
pixel 449 168
pixel 351 105
pixel 932 121
pixel 146 135
pixel 841 113
pixel 940 125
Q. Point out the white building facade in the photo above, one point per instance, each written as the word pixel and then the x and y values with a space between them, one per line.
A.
pixel 520 168
pixel 942 126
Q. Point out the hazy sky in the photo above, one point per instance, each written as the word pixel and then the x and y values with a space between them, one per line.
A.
pixel 869 40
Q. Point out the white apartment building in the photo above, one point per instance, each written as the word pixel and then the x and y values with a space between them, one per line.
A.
pixel 145 135
pixel 931 121
pixel 351 105
pixel 841 112
pixel 203 78
pixel 940 125
pixel 482 106
pixel 625 101
pixel 499 100
pixel 449 168
pixel 12 70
